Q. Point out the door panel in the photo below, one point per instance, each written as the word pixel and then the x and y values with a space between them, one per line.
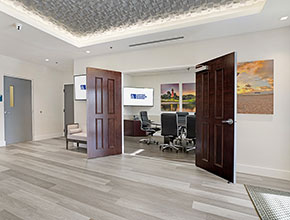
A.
pixel 205 94
pixel 215 100
pixel 99 95
pixel 17 110
pixel 205 142
pixel 68 105
pixel 219 94
pixel 218 145
pixel 104 119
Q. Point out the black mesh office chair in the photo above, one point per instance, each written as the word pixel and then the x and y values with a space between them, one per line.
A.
pixel 169 129
pixel 191 131
pixel 181 116
pixel 181 119
pixel 146 125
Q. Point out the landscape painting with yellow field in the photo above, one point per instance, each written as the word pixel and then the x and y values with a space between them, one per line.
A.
pixel 188 97
pixel 256 87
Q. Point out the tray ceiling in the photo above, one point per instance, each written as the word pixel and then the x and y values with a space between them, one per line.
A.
pixel 82 18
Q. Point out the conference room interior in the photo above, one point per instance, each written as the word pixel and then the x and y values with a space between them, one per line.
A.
pixel 149 142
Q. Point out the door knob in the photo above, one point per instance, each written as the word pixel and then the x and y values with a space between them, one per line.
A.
pixel 229 121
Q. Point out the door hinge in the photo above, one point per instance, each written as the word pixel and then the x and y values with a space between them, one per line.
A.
pixel 63 90
pixel 64 110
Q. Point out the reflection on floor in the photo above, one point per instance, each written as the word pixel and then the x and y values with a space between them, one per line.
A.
pixel 132 146
pixel 42 180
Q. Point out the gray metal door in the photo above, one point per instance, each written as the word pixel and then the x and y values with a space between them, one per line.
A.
pixel 17 110
pixel 68 105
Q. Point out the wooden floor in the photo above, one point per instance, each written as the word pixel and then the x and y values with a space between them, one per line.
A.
pixel 41 180
pixel 132 145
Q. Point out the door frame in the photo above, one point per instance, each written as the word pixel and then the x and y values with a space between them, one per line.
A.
pixel 32 102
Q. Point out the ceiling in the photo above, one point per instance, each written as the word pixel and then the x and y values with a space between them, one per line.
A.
pixel 87 17
pixel 35 44
pixel 89 22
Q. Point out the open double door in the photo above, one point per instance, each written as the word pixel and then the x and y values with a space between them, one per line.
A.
pixel 215 113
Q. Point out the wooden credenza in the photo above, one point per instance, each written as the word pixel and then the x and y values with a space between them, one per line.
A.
pixel 133 128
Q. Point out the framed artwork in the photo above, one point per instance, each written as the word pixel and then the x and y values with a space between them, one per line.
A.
pixel 170 97
pixel 188 97
pixel 255 87
pixel 80 87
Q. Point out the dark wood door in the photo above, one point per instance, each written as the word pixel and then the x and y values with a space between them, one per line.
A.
pixel 104 117
pixel 215 115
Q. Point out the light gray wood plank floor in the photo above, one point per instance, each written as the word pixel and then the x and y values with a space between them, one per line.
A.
pixel 42 180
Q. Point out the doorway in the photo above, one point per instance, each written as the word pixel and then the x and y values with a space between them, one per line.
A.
pixel 174 93
pixel 68 105
pixel 17 110
pixel 215 119
pixel 215 125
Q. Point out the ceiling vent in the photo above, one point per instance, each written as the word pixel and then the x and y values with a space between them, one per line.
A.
pixel 156 41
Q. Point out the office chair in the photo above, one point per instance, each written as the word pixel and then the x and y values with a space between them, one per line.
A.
pixel 191 132
pixel 181 119
pixel 181 116
pixel 169 128
pixel 146 125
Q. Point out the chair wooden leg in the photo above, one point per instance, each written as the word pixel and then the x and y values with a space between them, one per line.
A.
pixel 67 144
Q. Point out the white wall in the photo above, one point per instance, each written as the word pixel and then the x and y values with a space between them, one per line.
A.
pixel 263 141
pixel 47 95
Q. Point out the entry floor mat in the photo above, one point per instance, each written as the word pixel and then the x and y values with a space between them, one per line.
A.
pixel 270 204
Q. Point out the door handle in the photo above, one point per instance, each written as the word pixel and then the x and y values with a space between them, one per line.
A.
pixel 229 121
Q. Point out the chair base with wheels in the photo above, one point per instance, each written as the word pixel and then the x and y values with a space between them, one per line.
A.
pixel 172 146
pixel 192 147
pixel 148 141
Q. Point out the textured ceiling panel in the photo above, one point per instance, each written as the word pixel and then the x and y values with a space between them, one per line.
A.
pixel 86 17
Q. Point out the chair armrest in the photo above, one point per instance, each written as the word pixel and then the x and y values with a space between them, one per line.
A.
pixel 67 128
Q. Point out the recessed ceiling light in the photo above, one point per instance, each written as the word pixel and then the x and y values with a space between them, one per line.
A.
pixel 46 60
pixel 284 18
pixel 88 51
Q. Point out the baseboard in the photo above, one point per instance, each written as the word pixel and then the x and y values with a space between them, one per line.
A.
pixel 263 171
pixel 47 136
pixel 2 143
